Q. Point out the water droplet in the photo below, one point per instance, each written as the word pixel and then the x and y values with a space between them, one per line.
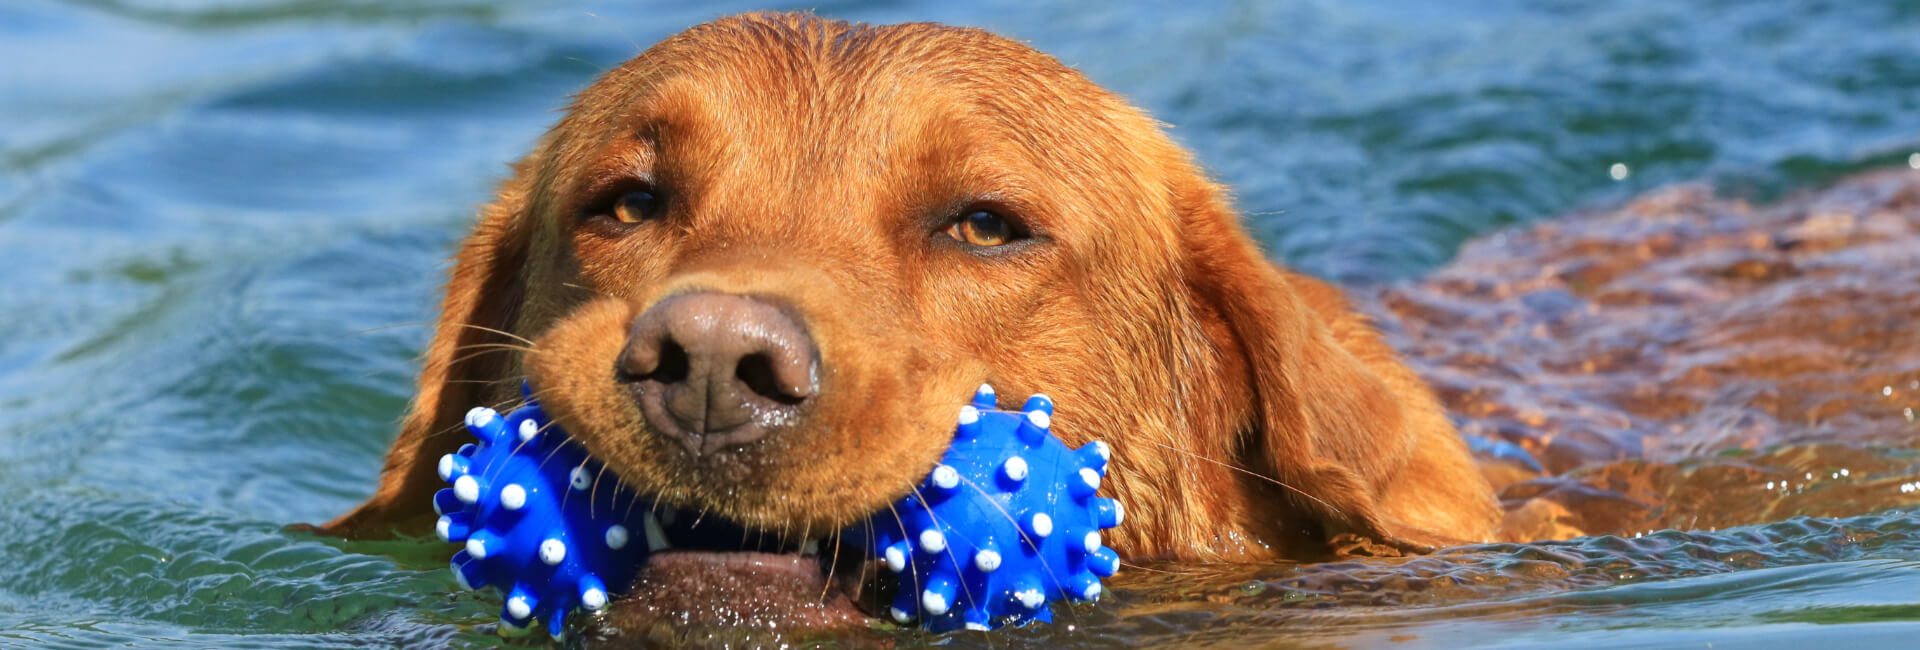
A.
pixel 1619 171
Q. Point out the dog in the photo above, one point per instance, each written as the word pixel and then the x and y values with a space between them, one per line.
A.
pixel 758 269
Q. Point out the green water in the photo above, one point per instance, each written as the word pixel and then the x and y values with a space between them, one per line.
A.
pixel 223 225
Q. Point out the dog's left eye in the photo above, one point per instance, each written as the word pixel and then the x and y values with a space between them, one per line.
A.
pixel 985 229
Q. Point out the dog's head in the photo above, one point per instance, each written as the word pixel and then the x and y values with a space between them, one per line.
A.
pixel 764 264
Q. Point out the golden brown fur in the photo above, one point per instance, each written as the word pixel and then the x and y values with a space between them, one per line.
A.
pixel 1253 413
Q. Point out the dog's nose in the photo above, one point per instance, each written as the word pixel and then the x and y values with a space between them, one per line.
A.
pixel 714 369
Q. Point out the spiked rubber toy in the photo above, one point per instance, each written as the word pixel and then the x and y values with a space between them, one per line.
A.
pixel 536 523
pixel 1007 522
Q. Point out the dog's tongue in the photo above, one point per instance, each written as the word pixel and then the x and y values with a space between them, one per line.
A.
pixel 732 589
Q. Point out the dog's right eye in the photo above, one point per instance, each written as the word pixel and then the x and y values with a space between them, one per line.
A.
pixel 627 202
pixel 984 229
pixel 636 206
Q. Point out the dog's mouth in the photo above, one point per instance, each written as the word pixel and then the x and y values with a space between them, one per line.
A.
pixel 706 572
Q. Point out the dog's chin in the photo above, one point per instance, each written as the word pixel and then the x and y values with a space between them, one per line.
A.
pixel 711 574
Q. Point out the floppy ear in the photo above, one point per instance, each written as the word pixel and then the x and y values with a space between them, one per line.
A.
pixel 1335 415
pixel 468 363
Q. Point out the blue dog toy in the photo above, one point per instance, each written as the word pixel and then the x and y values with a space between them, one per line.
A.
pixel 1007 522
pixel 535 524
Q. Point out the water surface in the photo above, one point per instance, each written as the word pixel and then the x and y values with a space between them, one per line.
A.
pixel 224 223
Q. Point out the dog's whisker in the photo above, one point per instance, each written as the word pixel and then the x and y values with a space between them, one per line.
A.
pixel 866 527
pixel 459 426
pixel 484 328
pixel 483 353
pixel 593 496
pixel 569 493
pixel 619 487
pixel 492 345
pixel 585 288
pixel 1251 473
pixel 833 562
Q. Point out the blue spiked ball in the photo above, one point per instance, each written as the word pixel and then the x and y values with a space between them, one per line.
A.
pixel 1007 522
pixel 536 521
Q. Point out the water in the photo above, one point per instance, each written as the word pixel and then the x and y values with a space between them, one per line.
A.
pixel 224 225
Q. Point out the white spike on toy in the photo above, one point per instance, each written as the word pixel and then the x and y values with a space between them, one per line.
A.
pixel 477 546
pixel 932 541
pixel 934 603
pixel 467 489
pixel 460 577
pixel 1040 419
pixel 986 560
pixel 1015 469
pixel 513 497
pixel 944 477
pixel 1040 525
pixel 897 557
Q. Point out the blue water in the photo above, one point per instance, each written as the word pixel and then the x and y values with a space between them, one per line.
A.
pixel 224 223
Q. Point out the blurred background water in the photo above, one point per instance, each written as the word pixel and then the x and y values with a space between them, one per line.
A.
pixel 223 225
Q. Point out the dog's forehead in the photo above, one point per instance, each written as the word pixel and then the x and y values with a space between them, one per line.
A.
pixel 864 100
pixel 777 115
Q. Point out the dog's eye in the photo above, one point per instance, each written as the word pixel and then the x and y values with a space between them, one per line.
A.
pixel 636 206
pixel 983 228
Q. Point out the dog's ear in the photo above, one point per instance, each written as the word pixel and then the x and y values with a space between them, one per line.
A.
pixel 464 367
pixel 1358 440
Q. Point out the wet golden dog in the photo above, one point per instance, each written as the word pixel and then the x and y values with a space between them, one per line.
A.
pixel 762 265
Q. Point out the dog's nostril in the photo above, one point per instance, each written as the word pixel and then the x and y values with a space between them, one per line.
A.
pixel 756 371
pixel 673 365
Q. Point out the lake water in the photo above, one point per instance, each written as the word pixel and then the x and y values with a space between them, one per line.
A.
pixel 223 224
